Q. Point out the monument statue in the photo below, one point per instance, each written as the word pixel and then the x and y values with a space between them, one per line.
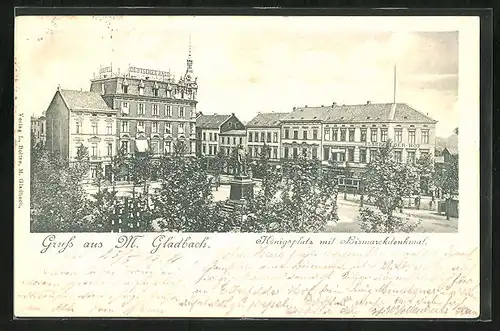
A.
pixel 242 162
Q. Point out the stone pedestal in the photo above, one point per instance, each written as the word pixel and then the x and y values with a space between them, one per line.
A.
pixel 241 188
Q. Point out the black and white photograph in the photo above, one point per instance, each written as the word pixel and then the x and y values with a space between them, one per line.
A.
pixel 266 166
pixel 197 127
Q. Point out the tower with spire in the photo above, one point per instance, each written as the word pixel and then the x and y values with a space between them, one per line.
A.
pixel 189 63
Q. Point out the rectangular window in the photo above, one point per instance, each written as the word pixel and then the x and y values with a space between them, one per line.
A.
pixel 125 108
pixel 275 137
pixel 154 147
pixel 315 134
pixel 234 140
pixel 342 135
pixel 215 149
pixel 94 128
pixel 314 153
pixel 295 134
pixel 209 149
pixel 326 153
pixel 304 135
pixel 154 127
pixel 204 147
pixel 383 135
pixel 363 135
pixel 181 127
pixel 156 111
pixel 335 135
pixel 256 151
pixel 93 150
pixel 327 134
pixel 241 141
pixel 140 110
pixel 204 136
pixel 411 137
pixel 287 134
pixel 295 151
pixel 398 135
pixel 269 137
pixel 78 127
pixel 304 152
pixel 215 136
pixel 362 155
pixel 250 136
pixel 374 133
pixel 210 136
pixel 155 92
pixel 350 156
pixel 124 146
pixel 351 134
pixel 167 146
pixel 125 89
pixel 425 136
pixel 141 90
pixel 373 155
pixel 398 155
pixel 341 157
pixel 110 149
pixel 124 126
pixel 140 126
pixel 262 137
pixel 168 128
pixel 168 111
pixel 275 152
pixel 411 157
pixel 109 128
pixel 181 112
pixel 285 152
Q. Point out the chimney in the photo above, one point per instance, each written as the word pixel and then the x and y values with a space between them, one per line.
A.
pixel 294 108
pixel 306 106
pixel 368 102
pixel 58 87
pixel 334 103
pixel 232 114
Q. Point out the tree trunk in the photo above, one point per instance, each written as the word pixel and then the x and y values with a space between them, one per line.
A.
pixel 447 209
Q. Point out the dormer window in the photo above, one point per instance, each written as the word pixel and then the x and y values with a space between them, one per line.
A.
pixel 125 86
pixel 141 88
pixel 155 89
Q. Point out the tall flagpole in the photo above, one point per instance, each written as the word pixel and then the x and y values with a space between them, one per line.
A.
pixel 395 80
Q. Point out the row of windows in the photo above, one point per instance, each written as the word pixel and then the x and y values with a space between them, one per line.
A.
pixel 94 150
pixel 212 136
pixel 212 149
pixel 155 146
pixel 264 137
pixel 272 152
pixel 155 127
pixel 155 110
pixel 227 140
pixel 95 128
pixel 189 94
pixel 305 134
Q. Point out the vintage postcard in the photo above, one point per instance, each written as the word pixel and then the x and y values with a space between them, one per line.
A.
pixel 239 166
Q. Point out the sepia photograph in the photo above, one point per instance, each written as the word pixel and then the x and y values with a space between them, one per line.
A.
pixel 247 166
pixel 219 134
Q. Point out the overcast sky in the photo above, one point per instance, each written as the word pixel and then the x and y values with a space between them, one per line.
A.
pixel 248 65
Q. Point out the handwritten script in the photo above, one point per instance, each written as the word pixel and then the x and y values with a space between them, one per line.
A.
pixel 255 281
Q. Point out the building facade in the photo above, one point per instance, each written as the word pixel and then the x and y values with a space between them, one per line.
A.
pixel 347 135
pixel 154 110
pixel 38 130
pixel 265 130
pixel 217 131
pixel 76 118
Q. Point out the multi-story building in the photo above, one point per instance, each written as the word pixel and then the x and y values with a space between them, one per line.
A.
pixel 264 129
pixel 38 130
pixel 353 133
pixel 219 131
pixel 154 109
pixel 76 118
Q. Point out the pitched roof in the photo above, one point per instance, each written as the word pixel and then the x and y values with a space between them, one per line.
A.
pixel 84 100
pixel 265 120
pixel 452 150
pixel 213 121
pixel 400 112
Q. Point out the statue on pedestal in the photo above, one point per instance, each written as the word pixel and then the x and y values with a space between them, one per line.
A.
pixel 241 169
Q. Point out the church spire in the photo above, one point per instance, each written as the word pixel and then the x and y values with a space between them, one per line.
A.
pixel 189 68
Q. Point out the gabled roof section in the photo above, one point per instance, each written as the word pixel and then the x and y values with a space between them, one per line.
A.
pixel 387 112
pixel 213 121
pixel 83 100
pixel 266 120
pixel 452 150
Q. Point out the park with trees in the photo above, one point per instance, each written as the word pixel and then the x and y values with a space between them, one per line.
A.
pixel 295 195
